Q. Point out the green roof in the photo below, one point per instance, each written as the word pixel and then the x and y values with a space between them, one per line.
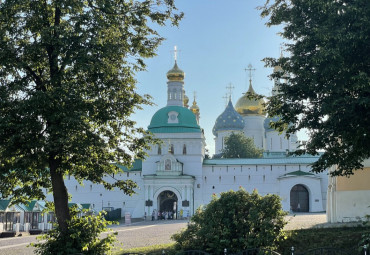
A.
pixel 136 166
pixel 263 161
pixel 299 173
pixel 4 204
pixel 86 206
pixel 185 122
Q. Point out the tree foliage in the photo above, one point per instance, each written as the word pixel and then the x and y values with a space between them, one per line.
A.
pixel 237 220
pixel 83 235
pixel 67 90
pixel 328 91
pixel 239 146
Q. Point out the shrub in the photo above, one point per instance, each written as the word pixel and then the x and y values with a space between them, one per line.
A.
pixel 82 237
pixel 237 220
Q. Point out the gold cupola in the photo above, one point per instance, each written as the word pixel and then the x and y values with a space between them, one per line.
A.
pixel 250 106
pixel 194 108
pixel 186 101
pixel 175 74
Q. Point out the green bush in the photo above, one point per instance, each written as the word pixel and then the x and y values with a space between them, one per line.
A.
pixel 237 220
pixel 82 237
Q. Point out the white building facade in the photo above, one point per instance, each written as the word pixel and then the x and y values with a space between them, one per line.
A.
pixel 176 176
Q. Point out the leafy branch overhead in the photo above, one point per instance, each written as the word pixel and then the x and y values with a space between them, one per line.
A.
pixel 67 90
pixel 328 90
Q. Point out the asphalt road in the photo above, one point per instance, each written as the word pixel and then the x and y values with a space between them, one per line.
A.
pixel 138 234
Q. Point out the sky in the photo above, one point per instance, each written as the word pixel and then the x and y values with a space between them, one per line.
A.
pixel 216 40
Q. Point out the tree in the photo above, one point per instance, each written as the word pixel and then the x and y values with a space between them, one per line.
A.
pixel 239 146
pixel 237 220
pixel 328 91
pixel 67 90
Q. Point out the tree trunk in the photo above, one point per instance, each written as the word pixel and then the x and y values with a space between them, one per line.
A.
pixel 60 195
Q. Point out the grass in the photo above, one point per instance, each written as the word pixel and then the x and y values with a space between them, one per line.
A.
pixel 346 238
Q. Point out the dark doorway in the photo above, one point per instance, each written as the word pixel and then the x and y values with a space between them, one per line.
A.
pixel 299 199
pixel 167 202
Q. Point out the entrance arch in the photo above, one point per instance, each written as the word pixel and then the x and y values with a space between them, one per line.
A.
pixel 299 198
pixel 167 202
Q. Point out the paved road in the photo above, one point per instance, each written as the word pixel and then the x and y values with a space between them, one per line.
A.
pixel 141 234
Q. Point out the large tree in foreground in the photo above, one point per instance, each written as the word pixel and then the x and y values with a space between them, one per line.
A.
pixel 328 91
pixel 67 89
pixel 239 146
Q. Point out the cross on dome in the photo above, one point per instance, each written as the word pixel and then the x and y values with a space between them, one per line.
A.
pixel 230 88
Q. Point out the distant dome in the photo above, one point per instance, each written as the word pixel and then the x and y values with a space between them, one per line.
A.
pixel 175 74
pixel 278 69
pixel 266 123
pixel 186 101
pixel 250 106
pixel 228 120
pixel 194 108
pixel 174 119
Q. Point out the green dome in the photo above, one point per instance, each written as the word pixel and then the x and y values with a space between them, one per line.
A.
pixel 174 119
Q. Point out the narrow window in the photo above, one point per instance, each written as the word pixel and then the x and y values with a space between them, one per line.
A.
pixel 281 143
pixel 184 149
pixel 159 152
pixel 172 149
pixel 167 165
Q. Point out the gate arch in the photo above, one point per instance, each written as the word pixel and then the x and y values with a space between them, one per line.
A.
pixel 299 199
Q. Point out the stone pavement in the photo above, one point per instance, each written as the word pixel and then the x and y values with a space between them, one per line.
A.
pixel 312 220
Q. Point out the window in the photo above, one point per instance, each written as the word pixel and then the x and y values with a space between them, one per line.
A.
pixel 159 152
pixel 184 149
pixel 167 165
pixel 172 149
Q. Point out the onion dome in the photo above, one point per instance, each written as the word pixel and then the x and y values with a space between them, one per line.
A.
pixel 186 101
pixel 228 120
pixel 194 108
pixel 266 123
pixel 278 69
pixel 175 74
pixel 250 106
pixel 174 119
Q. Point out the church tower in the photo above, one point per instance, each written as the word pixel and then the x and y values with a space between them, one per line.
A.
pixel 195 109
pixel 276 142
pixel 252 110
pixel 175 85
pixel 172 172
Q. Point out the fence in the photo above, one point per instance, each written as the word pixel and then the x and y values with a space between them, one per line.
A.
pixel 113 215
pixel 262 251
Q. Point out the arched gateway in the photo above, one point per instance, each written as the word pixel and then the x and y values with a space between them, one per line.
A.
pixel 299 199
pixel 167 201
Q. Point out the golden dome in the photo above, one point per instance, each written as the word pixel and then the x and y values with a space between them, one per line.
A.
pixel 278 69
pixel 175 74
pixel 194 108
pixel 250 106
pixel 186 101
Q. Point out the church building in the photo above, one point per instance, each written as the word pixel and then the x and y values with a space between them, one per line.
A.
pixel 177 177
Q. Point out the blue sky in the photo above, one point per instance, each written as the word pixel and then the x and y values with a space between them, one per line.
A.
pixel 217 40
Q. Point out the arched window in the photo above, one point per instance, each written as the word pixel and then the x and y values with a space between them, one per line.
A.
pixel 159 152
pixel 184 149
pixel 167 165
